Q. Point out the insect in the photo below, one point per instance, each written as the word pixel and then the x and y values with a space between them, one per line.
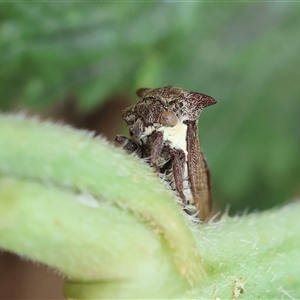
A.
pixel 163 129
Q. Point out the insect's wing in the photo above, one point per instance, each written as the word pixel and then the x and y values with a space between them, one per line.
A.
pixel 198 172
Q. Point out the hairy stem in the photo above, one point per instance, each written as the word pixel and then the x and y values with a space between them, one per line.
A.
pixel 104 220
pixel 60 159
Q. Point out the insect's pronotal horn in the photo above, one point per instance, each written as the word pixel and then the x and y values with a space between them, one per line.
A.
pixel 208 101
pixel 203 100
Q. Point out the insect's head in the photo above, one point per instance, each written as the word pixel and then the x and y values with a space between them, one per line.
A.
pixel 163 107
pixel 184 104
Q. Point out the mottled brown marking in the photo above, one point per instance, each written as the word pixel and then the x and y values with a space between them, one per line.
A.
pixel 173 152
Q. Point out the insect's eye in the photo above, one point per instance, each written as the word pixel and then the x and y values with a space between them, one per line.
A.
pixel 167 118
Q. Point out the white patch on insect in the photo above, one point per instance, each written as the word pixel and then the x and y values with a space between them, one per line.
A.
pixel 176 136
pixel 188 196
pixel 87 199
pixel 148 131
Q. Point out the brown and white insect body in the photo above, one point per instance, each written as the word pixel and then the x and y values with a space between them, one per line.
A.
pixel 163 128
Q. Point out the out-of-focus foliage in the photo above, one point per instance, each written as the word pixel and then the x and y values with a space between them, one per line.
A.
pixel 246 55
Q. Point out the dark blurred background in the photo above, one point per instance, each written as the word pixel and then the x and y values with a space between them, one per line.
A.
pixel 81 62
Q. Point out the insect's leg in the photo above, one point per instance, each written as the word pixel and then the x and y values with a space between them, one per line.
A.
pixel 178 161
pixel 157 144
pixel 127 144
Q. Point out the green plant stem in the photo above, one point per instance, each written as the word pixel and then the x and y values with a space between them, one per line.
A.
pixel 105 221
pixel 112 254
pixel 72 161
pixel 257 253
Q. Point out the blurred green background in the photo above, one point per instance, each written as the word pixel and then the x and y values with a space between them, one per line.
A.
pixel 245 55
